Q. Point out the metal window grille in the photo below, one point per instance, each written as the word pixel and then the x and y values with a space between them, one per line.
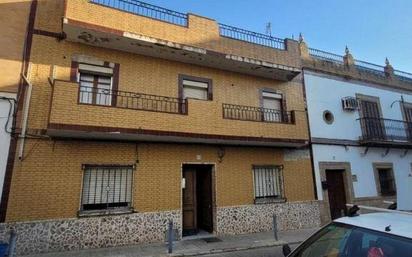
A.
pixel 268 181
pixel 107 187
pixel 386 181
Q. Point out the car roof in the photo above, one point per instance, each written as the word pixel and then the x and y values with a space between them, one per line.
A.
pixel 400 224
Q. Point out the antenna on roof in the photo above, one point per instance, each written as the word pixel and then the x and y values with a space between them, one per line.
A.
pixel 269 28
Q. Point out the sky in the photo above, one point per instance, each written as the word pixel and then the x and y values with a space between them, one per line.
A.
pixel 372 29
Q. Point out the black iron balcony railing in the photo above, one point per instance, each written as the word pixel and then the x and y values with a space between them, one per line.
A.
pixel 385 130
pixel 251 37
pixel 131 100
pixel 145 9
pixel 249 113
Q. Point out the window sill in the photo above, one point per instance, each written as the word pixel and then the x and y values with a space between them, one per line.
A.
pixel 97 213
pixel 269 200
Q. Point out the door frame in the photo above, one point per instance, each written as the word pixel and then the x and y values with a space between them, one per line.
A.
pixel 213 185
pixel 347 179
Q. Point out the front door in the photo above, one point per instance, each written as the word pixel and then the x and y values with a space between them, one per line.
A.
pixel 336 192
pixel 204 199
pixel 189 202
pixel 372 124
pixel 197 199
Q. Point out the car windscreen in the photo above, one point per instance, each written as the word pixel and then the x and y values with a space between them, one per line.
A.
pixel 342 240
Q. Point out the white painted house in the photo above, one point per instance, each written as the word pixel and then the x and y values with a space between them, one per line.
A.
pixel 7 106
pixel 361 132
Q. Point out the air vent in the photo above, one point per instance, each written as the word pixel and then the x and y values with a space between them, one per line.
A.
pixel 350 103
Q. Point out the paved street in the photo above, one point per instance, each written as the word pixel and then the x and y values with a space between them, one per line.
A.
pixel 261 252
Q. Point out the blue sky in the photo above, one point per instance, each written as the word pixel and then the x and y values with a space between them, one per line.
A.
pixel 372 29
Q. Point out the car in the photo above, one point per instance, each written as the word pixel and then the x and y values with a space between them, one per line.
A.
pixel 380 234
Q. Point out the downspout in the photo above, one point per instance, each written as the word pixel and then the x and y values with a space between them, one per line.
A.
pixel 26 107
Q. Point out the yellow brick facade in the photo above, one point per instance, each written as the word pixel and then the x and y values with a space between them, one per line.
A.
pixel 13 28
pixel 47 183
pixel 201 32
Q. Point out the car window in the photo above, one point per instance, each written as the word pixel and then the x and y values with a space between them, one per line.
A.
pixel 331 242
pixel 338 240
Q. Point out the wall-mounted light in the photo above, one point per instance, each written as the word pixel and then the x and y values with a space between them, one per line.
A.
pixel 221 153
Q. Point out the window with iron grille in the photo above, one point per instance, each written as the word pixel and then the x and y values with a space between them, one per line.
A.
pixel 386 181
pixel 268 182
pixel 107 187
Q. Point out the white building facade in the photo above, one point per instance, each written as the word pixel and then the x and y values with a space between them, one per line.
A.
pixel 7 107
pixel 361 133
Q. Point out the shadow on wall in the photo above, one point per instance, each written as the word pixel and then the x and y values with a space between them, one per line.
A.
pixel 13 24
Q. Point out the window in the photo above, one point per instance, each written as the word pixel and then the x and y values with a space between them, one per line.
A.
pixel 272 104
pixel 95 84
pixel 95 89
pixel 268 182
pixel 195 88
pixel 107 187
pixel 328 117
pixel 386 181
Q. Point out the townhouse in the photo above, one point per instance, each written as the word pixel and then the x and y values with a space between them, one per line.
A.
pixel 132 115
pixel 360 121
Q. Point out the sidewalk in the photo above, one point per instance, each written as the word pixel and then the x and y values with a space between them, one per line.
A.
pixel 193 247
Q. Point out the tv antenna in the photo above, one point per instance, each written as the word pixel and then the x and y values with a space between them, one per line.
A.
pixel 269 28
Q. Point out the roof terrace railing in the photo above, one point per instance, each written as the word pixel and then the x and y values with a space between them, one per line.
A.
pixel 362 66
pixel 370 67
pixel 404 76
pixel 251 37
pixel 147 10
pixel 326 56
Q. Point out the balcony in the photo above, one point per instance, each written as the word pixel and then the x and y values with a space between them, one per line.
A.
pixel 250 113
pixel 386 132
pixel 145 29
pixel 131 100
pixel 82 112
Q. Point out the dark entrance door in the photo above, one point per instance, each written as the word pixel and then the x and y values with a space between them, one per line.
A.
pixel 336 192
pixel 372 124
pixel 197 199
pixel 189 202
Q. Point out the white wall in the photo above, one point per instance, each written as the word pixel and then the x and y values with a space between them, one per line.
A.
pixel 4 137
pixel 325 93
pixel 362 167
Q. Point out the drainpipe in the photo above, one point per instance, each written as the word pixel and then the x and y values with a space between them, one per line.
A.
pixel 25 116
